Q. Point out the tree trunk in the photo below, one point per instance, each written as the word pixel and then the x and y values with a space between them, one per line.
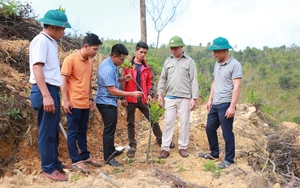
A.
pixel 143 21
pixel 157 41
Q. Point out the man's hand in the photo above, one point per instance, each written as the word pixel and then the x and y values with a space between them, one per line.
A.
pixel 136 94
pixel 67 107
pixel 208 105
pixel 91 105
pixel 160 100
pixel 193 104
pixel 149 98
pixel 230 112
pixel 124 102
pixel 48 103
pixel 127 77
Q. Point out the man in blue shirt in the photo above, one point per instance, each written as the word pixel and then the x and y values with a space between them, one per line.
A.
pixel 107 97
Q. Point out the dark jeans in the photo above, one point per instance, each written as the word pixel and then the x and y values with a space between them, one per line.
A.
pixel 48 123
pixel 109 115
pixel 215 118
pixel 77 128
pixel 131 119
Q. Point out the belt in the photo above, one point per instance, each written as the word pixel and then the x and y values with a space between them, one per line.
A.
pixel 57 87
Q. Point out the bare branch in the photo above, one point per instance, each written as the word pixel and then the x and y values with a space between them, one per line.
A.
pixel 160 17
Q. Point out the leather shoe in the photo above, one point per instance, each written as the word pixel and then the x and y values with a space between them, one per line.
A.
pixel 164 154
pixel 114 162
pixel 55 175
pixel 118 152
pixel 183 153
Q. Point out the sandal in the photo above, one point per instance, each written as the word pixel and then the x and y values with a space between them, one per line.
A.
pixel 92 161
pixel 224 164
pixel 80 166
pixel 207 156
pixel 130 153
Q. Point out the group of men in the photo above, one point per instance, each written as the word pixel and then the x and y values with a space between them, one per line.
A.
pixel 177 92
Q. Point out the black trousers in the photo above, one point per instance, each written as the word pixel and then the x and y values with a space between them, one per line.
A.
pixel 131 119
pixel 109 115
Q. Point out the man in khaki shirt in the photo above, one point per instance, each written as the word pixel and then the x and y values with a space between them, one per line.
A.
pixel 179 81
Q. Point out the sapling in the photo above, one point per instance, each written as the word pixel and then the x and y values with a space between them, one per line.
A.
pixel 155 111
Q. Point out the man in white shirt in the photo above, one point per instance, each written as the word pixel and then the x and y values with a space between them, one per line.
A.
pixel 44 96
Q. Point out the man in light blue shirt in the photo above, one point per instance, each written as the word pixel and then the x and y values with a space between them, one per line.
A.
pixel 107 97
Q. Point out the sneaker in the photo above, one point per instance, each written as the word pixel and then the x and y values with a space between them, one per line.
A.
pixel 224 164
pixel 114 162
pixel 92 161
pixel 55 175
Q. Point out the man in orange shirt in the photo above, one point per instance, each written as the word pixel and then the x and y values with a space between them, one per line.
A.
pixel 76 72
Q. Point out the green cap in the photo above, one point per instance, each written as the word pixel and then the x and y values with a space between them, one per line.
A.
pixel 56 18
pixel 220 44
pixel 175 42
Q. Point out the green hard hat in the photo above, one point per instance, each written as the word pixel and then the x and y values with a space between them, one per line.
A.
pixel 175 42
pixel 220 43
pixel 56 18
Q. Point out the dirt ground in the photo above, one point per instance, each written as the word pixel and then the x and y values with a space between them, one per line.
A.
pixel 22 164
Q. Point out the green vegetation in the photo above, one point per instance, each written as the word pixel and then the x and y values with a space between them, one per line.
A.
pixel 130 160
pixel 15 113
pixel 119 170
pixel 270 76
pixel 62 9
pixel 211 166
pixel 180 168
pixel 159 161
pixel 10 7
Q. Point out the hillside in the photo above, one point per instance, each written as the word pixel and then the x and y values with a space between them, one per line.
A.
pixel 265 157
pixel 267 150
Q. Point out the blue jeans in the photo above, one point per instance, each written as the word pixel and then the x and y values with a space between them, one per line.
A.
pixel 77 128
pixel 109 115
pixel 215 118
pixel 48 124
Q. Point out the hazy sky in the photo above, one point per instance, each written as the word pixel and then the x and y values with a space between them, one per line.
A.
pixel 254 23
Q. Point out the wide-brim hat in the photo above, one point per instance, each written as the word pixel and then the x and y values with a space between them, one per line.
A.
pixel 56 18
pixel 220 44
pixel 175 42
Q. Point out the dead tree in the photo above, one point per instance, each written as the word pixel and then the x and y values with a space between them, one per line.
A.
pixel 161 17
pixel 143 21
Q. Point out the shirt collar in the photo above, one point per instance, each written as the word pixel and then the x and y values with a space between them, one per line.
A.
pixel 226 62
pixel 48 36
pixel 111 63
pixel 80 57
pixel 183 55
